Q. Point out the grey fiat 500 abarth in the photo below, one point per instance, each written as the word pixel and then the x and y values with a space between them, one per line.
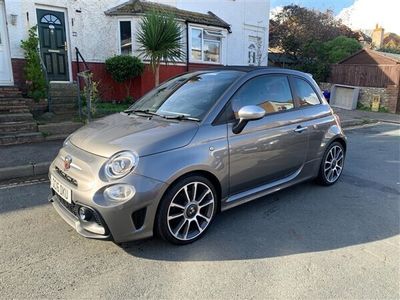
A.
pixel 200 143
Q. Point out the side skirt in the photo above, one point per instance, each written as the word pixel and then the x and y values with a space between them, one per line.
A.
pixel 308 171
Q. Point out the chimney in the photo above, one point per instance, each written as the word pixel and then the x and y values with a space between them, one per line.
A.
pixel 377 37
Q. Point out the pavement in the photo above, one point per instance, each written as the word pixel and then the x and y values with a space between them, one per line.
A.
pixel 307 241
pixel 359 117
pixel 34 159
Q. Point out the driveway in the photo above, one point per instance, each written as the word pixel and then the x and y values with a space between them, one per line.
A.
pixel 304 242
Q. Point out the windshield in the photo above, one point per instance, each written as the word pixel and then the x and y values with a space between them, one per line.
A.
pixel 187 95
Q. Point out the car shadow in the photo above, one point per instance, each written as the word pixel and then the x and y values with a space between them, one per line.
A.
pixel 304 218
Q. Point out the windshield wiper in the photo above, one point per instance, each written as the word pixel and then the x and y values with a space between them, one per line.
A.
pixel 180 117
pixel 142 111
pixel 152 113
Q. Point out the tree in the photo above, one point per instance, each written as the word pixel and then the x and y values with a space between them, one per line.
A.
pixel 123 68
pixel 295 27
pixel 33 71
pixel 341 47
pixel 312 39
pixel 159 37
pixel 318 55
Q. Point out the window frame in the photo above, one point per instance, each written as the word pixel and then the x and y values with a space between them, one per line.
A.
pixel 203 30
pixel 119 41
pixel 296 94
pixel 225 115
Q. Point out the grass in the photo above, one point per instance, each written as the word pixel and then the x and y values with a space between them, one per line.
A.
pixel 106 108
pixel 361 106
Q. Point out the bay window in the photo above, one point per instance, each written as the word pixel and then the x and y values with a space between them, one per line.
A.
pixel 205 45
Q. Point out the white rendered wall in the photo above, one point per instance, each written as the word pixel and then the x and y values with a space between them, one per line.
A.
pixel 91 30
pixel 96 35
pixel 246 17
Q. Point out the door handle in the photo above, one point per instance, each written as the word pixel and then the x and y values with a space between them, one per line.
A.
pixel 300 129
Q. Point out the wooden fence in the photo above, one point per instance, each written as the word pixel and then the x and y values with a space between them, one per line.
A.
pixel 365 75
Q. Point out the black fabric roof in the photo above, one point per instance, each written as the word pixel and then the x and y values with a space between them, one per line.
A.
pixel 135 7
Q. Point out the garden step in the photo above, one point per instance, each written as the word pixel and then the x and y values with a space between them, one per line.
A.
pixel 15 101
pixel 6 109
pixel 17 127
pixel 9 91
pixel 21 138
pixel 60 100
pixel 60 128
pixel 64 108
pixel 62 93
pixel 19 117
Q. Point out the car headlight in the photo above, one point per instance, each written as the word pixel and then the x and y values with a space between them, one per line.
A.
pixel 119 193
pixel 66 141
pixel 120 164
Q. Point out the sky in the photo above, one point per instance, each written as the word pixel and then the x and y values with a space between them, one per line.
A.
pixel 357 14
pixel 335 5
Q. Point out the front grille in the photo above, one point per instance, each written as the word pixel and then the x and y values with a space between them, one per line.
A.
pixel 67 177
pixel 73 209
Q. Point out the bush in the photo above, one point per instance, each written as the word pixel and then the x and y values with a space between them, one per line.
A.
pixel 123 68
pixel 33 71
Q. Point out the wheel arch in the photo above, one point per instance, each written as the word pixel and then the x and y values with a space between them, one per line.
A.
pixel 206 174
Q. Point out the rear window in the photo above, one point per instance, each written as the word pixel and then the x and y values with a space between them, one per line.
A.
pixel 305 92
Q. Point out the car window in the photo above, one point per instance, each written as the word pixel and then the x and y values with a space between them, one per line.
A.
pixel 271 92
pixel 305 92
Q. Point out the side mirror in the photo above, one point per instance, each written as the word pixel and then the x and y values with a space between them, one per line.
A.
pixel 246 114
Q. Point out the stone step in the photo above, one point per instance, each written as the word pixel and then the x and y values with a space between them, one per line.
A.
pixel 60 100
pixel 20 117
pixel 15 101
pixel 17 127
pixel 9 91
pixel 63 93
pixel 64 108
pixel 7 109
pixel 59 128
pixel 21 138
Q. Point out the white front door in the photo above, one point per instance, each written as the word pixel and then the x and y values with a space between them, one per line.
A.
pixel 5 59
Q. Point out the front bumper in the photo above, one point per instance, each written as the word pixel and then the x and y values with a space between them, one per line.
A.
pixel 131 220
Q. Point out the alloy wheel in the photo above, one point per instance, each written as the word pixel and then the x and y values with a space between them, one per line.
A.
pixel 190 211
pixel 333 164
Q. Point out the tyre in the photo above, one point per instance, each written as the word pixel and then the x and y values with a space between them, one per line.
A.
pixel 332 164
pixel 187 210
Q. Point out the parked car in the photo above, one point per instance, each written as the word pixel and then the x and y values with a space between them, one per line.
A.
pixel 198 144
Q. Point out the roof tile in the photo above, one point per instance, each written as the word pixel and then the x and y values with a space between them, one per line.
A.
pixel 135 7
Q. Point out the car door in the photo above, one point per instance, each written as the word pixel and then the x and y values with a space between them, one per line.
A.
pixel 316 114
pixel 269 149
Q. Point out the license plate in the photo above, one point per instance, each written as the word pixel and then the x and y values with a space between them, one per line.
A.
pixel 62 190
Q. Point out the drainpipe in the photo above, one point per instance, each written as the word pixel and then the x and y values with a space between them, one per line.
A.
pixel 187 46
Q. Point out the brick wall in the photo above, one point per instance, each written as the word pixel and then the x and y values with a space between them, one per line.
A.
pixel 18 65
pixel 389 95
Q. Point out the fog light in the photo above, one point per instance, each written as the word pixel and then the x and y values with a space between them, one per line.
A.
pixel 85 214
pixel 119 192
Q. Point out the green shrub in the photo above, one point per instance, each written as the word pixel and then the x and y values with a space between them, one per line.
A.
pixel 124 68
pixel 33 72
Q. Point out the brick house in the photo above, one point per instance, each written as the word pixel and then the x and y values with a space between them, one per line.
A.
pixel 214 32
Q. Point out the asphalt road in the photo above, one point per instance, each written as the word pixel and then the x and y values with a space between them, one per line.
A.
pixel 304 242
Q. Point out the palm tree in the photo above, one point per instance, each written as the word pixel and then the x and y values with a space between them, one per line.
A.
pixel 159 37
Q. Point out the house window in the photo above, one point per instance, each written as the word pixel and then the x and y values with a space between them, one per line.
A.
pixel 50 19
pixel 125 37
pixel 252 55
pixel 205 45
